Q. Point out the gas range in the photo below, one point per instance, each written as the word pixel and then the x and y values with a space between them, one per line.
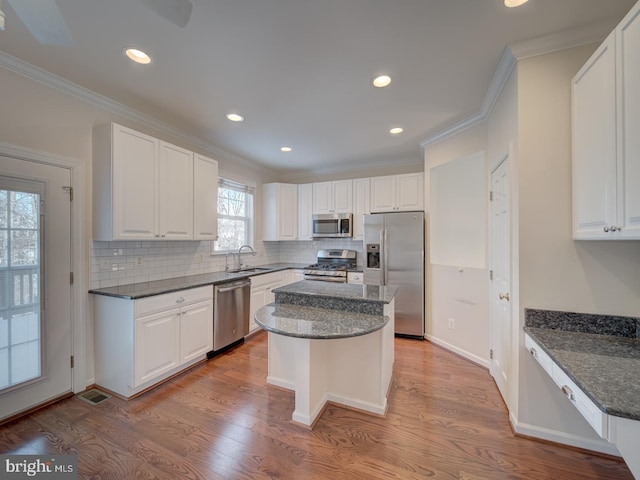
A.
pixel 331 266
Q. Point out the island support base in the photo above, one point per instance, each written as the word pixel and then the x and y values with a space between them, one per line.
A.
pixel 355 372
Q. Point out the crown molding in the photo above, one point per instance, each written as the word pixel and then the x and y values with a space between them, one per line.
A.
pixel 511 55
pixel 67 87
pixel 355 168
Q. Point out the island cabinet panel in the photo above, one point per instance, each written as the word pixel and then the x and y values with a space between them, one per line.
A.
pixel 139 343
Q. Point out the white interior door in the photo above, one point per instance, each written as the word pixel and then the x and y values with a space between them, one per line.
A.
pixel 35 290
pixel 501 278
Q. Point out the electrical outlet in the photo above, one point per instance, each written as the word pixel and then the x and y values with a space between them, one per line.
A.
pixel 452 324
pixel 200 257
pixel 105 264
pixel 138 261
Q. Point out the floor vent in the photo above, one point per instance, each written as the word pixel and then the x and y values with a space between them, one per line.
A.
pixel 94 397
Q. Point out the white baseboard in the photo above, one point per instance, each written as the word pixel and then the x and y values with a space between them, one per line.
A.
pixel 462 353
pixel 555 436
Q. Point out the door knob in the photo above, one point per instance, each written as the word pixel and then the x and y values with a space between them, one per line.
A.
pixel 504 296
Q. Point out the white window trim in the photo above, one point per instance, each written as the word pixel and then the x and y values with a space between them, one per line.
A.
pixel 250 186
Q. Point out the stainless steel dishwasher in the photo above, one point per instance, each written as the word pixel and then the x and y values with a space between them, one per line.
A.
pixel 230 312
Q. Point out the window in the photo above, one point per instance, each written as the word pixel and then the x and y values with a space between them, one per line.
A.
pixel 235 216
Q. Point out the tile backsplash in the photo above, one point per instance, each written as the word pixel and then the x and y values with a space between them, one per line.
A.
pixel 125 262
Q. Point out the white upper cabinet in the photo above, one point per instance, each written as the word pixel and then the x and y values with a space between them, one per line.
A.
pixel 361 205
pixel 143 188
pixel 175 193
pixel 280 211
pixel 333 197
pixel 396 193
pixel 305 210
pixel 205 198
pixel 606 145
pixel 628 81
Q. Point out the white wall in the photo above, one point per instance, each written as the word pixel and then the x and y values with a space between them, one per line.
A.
pixel 457 282
pixel 557 272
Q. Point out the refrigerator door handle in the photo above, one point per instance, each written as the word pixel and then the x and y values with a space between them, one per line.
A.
pixel 383 247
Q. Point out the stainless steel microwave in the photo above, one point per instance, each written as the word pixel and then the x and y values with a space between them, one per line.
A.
pixel 328 225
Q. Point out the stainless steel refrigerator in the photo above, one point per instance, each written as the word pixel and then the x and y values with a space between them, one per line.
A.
pixel 394 255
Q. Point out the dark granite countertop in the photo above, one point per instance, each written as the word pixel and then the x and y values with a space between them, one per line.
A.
pixel 380 294
pixel 606 367
pixel 158 287
pixel 315 322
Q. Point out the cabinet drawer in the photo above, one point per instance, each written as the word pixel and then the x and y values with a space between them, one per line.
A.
pixel 266 279
pixel 596 417
pixel 354 277
pixel 166 301
pixel 540 355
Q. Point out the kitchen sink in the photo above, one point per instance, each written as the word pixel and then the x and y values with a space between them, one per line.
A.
pixel 250 270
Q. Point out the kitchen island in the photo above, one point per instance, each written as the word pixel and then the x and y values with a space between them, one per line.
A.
pixel 331 342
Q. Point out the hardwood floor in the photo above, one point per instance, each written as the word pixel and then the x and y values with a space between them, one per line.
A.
pixel 221 421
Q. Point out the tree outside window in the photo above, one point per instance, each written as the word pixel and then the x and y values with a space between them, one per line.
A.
pixel 235 216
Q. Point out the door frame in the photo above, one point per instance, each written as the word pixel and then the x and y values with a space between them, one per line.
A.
pixel 80 326
pixel 510 393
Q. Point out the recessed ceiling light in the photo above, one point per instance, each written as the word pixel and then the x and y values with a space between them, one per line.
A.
pixel 381 81
pixel 286 149
pixel 396 130
pixel 514 3
pixel 234 117
pixel 137 56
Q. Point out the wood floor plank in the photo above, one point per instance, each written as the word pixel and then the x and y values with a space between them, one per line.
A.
pixel 221 420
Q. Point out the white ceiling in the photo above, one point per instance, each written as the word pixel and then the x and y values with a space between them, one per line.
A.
pixel 300 70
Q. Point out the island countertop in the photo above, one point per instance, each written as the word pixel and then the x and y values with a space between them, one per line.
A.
pixel 380 294
pixel 314 322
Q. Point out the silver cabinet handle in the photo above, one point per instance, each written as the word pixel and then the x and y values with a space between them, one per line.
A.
pixel 504 296
pixel 180 300
pixel 568 393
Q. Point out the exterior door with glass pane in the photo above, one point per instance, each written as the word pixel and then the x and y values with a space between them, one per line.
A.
pixel 35 290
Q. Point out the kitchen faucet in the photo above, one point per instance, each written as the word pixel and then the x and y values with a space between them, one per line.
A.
pixel 253 252
pixel 226 260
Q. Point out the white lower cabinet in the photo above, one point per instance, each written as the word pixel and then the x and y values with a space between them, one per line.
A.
pixel 261 293
pixel 139 343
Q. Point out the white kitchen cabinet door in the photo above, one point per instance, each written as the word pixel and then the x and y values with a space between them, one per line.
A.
pixel 175 192
pixel 410 192
pixel 594 146
pixel 257 301
pixel 205 198
pixel 383 194
pixel 132 203
pixel 628 81
pixel 333 197
pixel 322 201
pixel 305 211
pixel 343 196
pixel 196 331
pixel 397 193
pixel 280 211
pixel 361 202
pixel 157 345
